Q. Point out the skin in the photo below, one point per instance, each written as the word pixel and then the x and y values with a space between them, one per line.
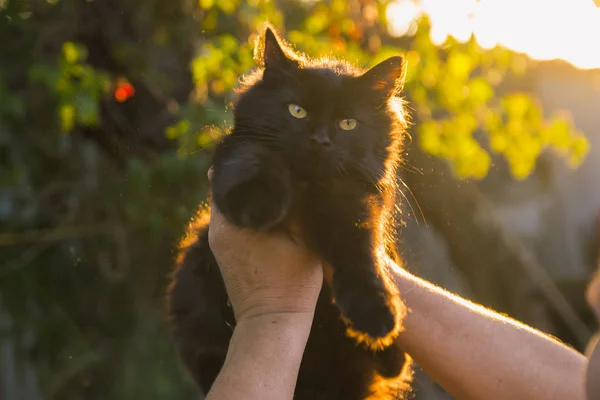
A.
pixel 474 353
pixel 273 283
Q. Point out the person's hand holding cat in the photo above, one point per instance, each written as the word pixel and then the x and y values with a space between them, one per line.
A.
pixel 255 288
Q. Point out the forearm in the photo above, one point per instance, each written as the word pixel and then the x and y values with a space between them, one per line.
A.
pixel 263 358
pixel 477 354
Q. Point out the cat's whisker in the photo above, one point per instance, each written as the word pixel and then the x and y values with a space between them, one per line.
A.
pixel 409 167
pixel 416 201
pixel 366 172
pixel 259 133
pixel 369 174
pixel 371 179
pixel 412 210
pixel 257 129
pixel 251 122
pixel 342 170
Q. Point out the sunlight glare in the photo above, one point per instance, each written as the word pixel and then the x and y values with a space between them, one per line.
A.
pixel 544 30
pixel 403 14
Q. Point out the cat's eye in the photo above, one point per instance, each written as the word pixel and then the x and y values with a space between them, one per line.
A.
pixel 348 124
pixel 297 111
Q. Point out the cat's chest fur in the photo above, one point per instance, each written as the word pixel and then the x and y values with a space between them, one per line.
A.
pixel 334 196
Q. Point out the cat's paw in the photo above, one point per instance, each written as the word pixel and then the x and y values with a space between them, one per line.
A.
pixel 371 318
pixel 252 189
pixel 391 361
pixel 256 205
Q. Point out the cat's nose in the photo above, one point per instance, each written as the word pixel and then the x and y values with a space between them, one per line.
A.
pixel 320 139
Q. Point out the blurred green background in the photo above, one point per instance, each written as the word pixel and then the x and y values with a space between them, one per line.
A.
pixel 109 110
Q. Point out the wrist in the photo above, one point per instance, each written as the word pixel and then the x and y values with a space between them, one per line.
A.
pixel 264 357
pixel 281 324
pixel 290 302
pixel 270 340
pixel 265 338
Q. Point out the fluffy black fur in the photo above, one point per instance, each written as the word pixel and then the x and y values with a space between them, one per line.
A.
pixel 338 185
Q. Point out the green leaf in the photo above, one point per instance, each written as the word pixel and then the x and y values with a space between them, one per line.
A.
pixel 177 130
pixel 87 108
pixel 480 91
pixel 516 105
pixel 580 147
pixel 206 4
pixel 73 53
pixel 228 6
pixel 429 137
pixel 560 134
pixel 67 117
pixel 459 65
pixel 46 75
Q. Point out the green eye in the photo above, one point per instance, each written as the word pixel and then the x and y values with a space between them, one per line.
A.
pixel 348 124
pixel 297 111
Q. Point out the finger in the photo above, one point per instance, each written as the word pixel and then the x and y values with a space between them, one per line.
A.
pixel 220 226
pixel 217 228
pixel 216 218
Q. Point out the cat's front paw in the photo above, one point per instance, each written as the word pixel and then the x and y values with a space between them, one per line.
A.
pixel 372 317
pixel 390 361
pixel 252 188
pixel 256 205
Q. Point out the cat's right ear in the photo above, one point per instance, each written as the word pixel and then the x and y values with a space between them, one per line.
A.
pixel 273 54
pixel 387 77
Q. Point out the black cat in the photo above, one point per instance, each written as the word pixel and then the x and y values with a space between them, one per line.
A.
pixel 316 143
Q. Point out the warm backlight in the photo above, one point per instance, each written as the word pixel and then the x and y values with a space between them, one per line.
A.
pixel 543 29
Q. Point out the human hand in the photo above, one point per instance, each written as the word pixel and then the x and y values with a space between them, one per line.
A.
pixel 273 283
pixel 264 274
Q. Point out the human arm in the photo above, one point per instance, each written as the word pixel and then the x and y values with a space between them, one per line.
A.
pixel 472 352
pixel 273 284
pixel 475 353
pixel 263 358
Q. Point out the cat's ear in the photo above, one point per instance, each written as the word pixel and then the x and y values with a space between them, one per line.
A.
pixel 387 77
pixel 273 53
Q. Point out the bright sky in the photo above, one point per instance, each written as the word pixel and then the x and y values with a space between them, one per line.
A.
pixel 543 29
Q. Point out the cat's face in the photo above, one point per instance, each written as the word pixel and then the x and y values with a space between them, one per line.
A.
pixel 324 117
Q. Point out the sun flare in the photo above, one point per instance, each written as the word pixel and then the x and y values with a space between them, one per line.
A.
pixel 544 30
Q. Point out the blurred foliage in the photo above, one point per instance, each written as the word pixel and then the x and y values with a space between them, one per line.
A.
pixel 108 112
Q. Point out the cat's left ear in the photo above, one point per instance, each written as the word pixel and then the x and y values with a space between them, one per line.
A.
pixel 387 77
pixel 273 53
